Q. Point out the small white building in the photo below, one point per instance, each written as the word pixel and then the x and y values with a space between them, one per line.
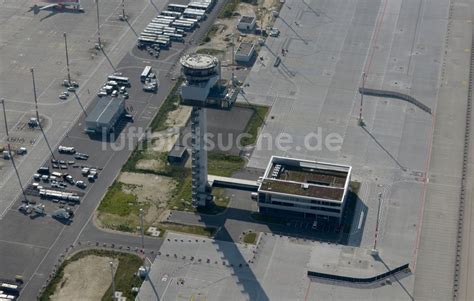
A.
pixel 301 187
pixel 244 52
pixel 246 23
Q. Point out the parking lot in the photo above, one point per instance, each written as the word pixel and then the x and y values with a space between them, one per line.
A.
pixel 31 246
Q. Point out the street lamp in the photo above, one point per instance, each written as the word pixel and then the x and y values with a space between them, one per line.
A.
pixel 113 280
pixel 67 60
pixel 123 17
pixel 98 25
pixel 37 115
pixel 143 230
pixel 10 156
pixel 361 119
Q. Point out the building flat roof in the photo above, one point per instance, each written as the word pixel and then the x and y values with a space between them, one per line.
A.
pixel 105 110
pixel 246 19
pixel 245 48
pixel 329 193
pixel 177 151
pixel 306 178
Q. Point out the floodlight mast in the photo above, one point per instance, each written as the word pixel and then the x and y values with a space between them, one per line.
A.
pixel 10 151
pixel 37 114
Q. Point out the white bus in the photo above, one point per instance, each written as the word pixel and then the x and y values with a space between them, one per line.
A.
pixel 199 5
pixel 195 14
pixel 155 26
pixel 161 21
pixel 153 31
pixel 145 73
pixel 169 13
pixel 154 41
pixel 177 7
pixel 174 36
pixel 121 80
pixel 183 25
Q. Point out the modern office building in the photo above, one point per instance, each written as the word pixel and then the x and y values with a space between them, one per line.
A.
pixel 305 188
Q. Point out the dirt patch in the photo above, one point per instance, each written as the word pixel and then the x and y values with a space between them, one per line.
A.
pixel 85 279
pixel 150 189
pixel 179 117
pixel 149 164
pixel 222 39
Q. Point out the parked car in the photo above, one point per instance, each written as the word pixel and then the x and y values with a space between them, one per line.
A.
pixel 81 184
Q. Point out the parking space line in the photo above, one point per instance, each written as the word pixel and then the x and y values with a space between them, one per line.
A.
pixel 23 244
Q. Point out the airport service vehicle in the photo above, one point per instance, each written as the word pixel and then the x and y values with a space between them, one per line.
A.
pixel 21 151
pixel 145 73
pixel 66 149
pixel 121 80
pixel 62 215
pixel 33 122
pixel 80 156
pixel 43 170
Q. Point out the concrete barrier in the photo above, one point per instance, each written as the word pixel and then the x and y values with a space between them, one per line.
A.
pixel 359 280
pixel 397 95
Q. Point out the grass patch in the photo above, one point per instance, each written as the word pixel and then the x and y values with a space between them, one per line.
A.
pixel 118 202
pixel 255 122
pixel 229 8
pixel 250 238
pixel 210 51
pixel 224 165
pixel 190 229
pixel 124 276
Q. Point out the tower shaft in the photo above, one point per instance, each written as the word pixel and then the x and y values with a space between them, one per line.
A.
pixel 199 156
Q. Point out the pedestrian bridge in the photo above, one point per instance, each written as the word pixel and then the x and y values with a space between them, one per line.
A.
pixel 232 183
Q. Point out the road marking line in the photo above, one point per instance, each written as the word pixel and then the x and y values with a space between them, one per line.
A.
pixel 23 244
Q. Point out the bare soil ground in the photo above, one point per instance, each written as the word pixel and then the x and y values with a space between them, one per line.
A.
pixel 85 279
pixel 150 189
pixel 179 117
pixel 222 40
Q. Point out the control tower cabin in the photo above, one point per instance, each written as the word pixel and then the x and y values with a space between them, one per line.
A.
pixel 203 89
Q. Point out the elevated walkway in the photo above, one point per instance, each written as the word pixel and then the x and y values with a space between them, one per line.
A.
pixel 232 183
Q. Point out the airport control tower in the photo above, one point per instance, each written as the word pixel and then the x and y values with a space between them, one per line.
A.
pixel 203 88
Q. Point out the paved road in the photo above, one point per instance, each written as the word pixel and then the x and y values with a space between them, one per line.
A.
pixel 435 267
pixel 31 247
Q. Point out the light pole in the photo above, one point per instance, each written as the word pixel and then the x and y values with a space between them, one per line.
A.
pixel 37 114
pixel 113 280
pixel 143 231
pixel 10 151
pixel 67 60
pixel 361 119
pixel 98 25
pixel 124 17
